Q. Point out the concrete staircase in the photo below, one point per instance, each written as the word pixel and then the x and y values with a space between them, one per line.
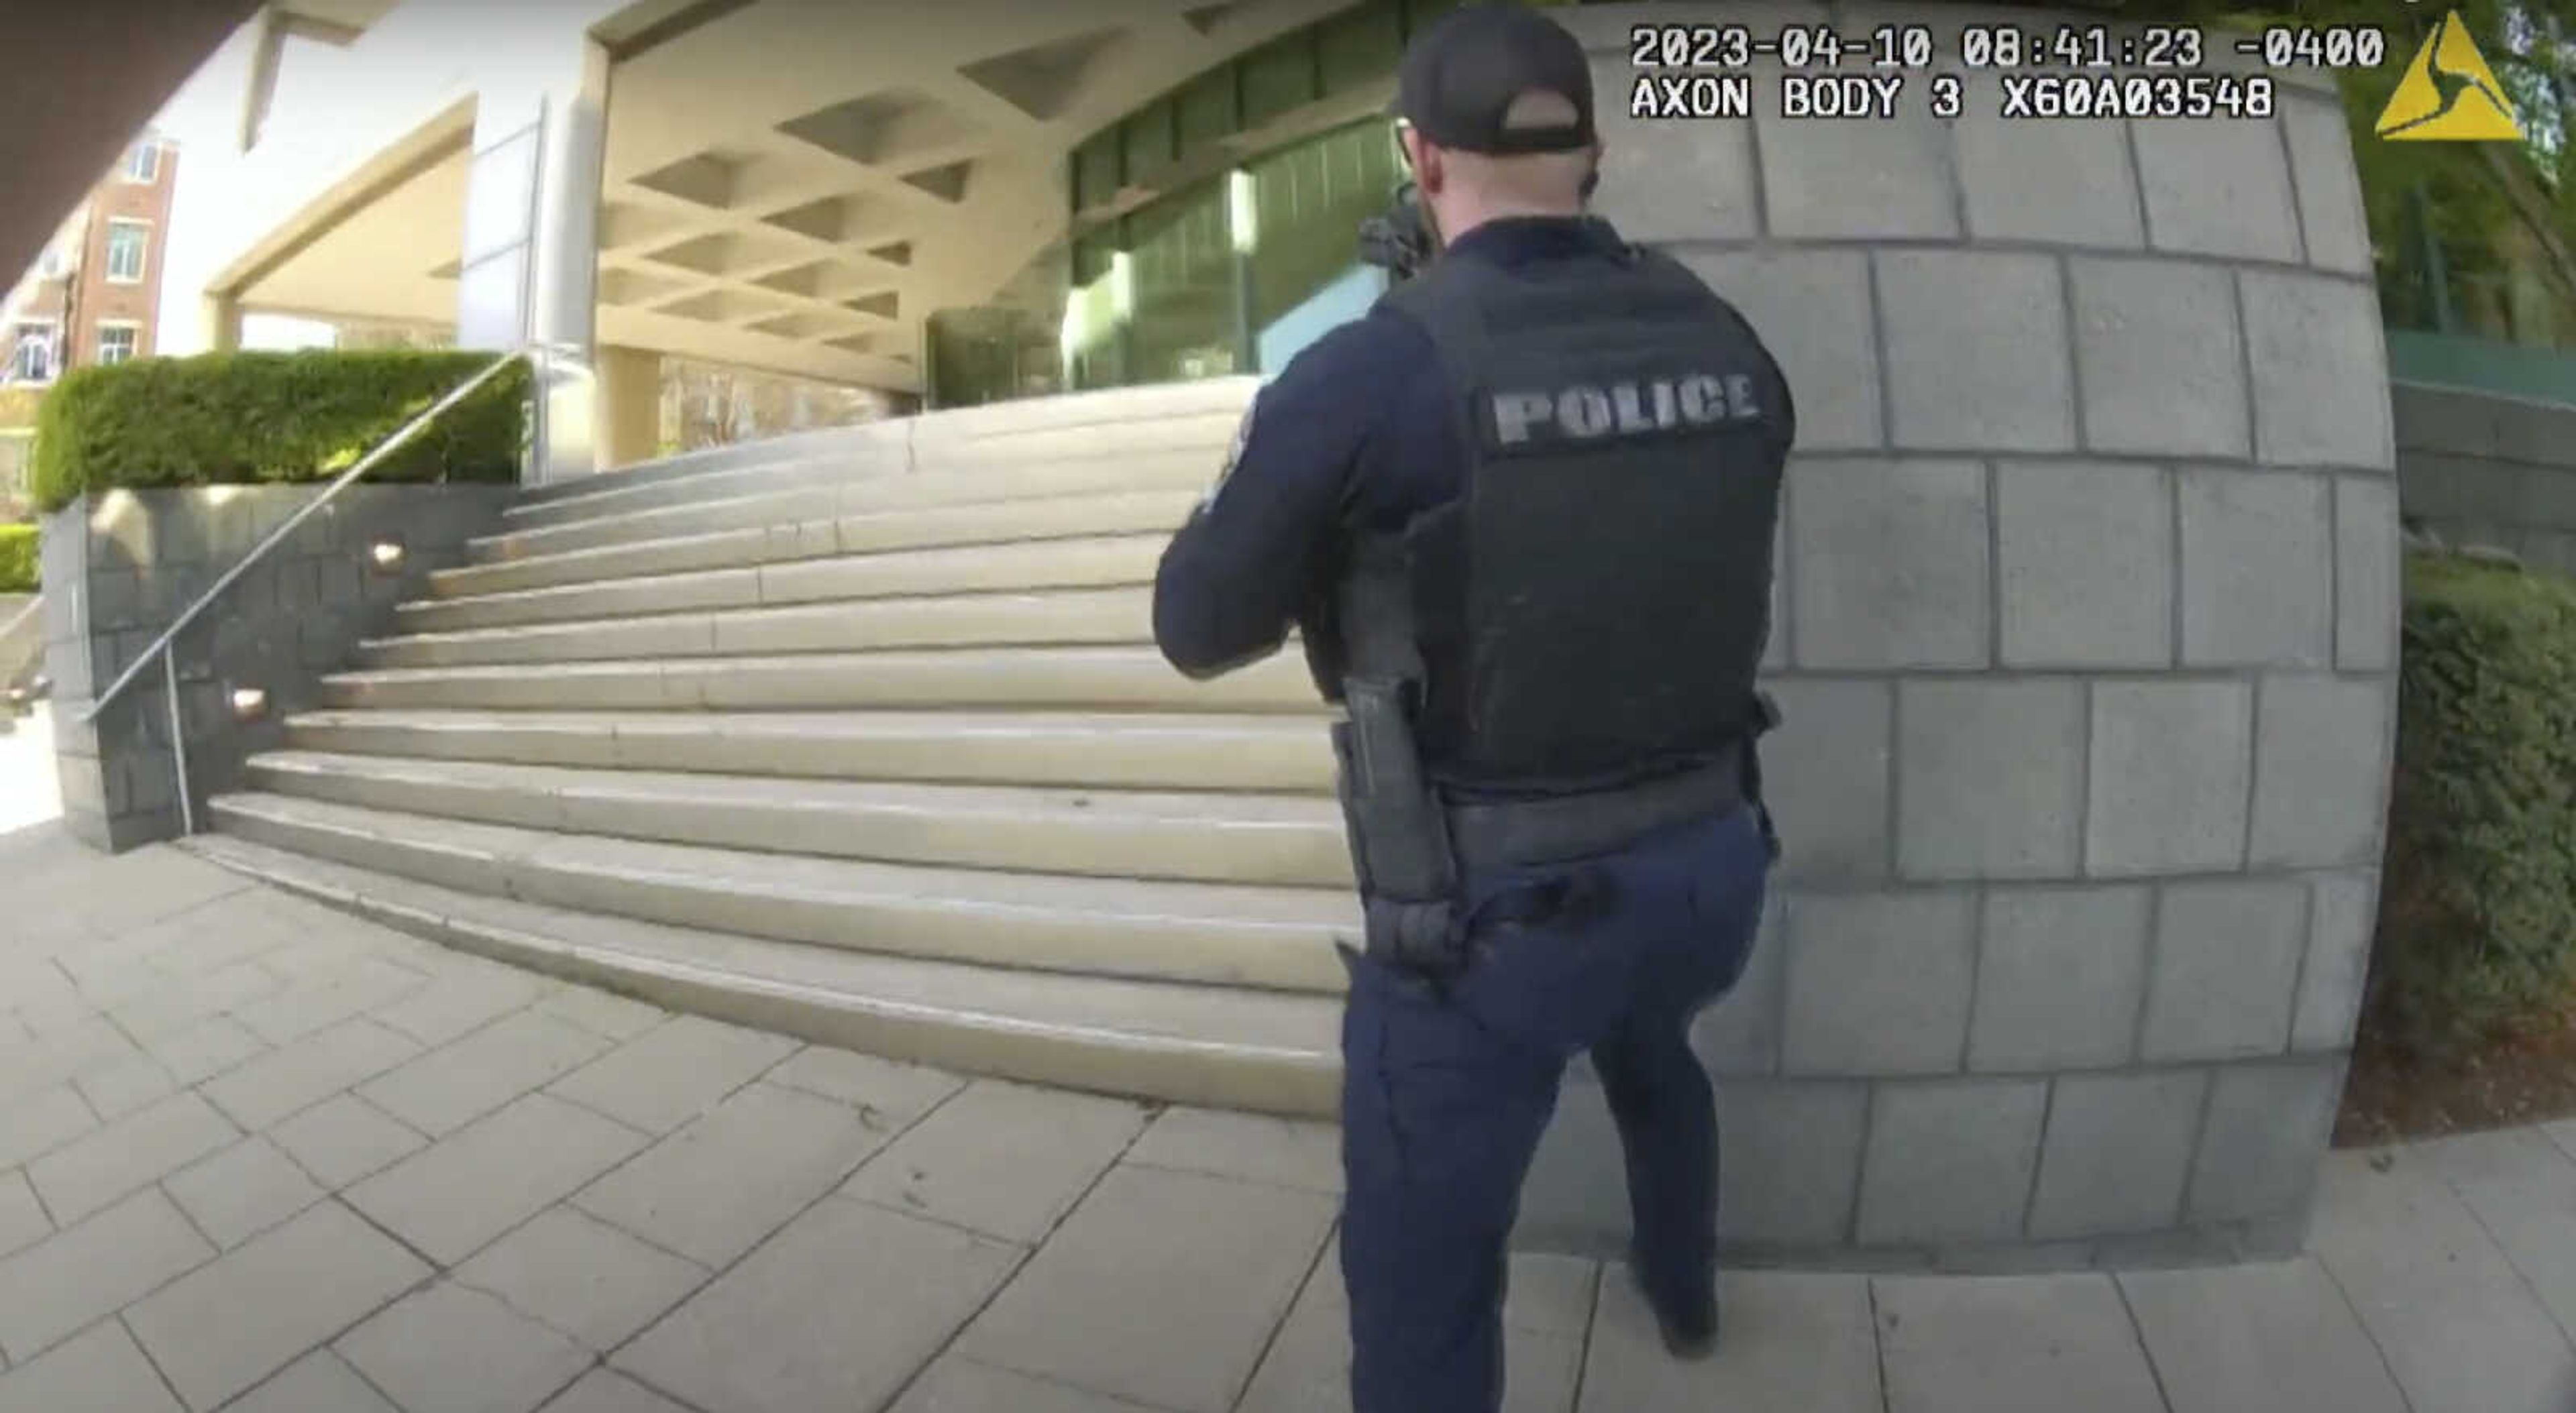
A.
pixel 862 736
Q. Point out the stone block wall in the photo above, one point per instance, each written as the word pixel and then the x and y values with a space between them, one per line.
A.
pixel 2482 468
pixel 121 566
pixel 2085 635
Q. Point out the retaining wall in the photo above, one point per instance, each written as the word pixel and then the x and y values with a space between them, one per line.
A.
pixel 119 568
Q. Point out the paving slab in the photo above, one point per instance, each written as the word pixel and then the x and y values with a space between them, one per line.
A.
pixel 887 1094
pixel 125 1084
pixel 103 1371
pixel 2459 1327
pixel 955 1385
pixel 2523 1190
pixel 82 1273
pixel 416 1349
pixel 242 1191
pixel 51 1056
pixel 2275 1336
pixel 1308 1366
pixel 667 1076
pixel 450 1087
pixel 583 1277
pixel 1793 1340
pixel 459 1001
pixel 232 1323
pixel 716 1188
pixel 97 1169
pixel 40 1122
pixel 455 1196
pixel 320 1382
pixel 176 1006
pixel 1004 1159
pixel 607 1391
pixel 205 1049
pixel 311 1003
pixel 2010 1344
pixel 838 1310
pixel 344 1139
pixel 22 1218
pixel 307 1071
pixel 1162 1288
pixel 1253 1147
pixel 603 1012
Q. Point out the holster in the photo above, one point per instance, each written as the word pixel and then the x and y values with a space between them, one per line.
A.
pixel 1399 834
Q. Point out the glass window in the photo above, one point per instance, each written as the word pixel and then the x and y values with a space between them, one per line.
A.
pixel 143 162
pixel 1279 78
pixel 31 354
pixel 1311 199
pixel 1361 45
pixel 1207 109
pixel 1182 269
pixel 1147 141
pixel 1095 171
pixel 126 241
pixel 116 342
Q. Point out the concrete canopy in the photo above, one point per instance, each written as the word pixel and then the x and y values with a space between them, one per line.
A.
pixel 789 185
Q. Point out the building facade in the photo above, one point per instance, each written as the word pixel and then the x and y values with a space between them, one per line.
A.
pixel 94 295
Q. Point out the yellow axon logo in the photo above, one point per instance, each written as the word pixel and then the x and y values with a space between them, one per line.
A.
pixel 2449 94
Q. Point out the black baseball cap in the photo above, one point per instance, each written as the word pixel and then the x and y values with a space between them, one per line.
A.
pixel 1460 77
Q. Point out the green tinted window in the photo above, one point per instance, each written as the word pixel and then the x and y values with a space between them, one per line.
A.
pixel 1207 109
pixel 1278 78
pixel 1095 171
pixel 1359 46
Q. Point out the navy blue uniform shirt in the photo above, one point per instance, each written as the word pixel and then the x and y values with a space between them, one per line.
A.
pixel 1356 434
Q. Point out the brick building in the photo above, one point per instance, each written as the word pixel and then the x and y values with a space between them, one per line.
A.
pixel 94 295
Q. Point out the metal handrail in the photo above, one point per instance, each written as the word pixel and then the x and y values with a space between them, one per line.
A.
pixel 161 646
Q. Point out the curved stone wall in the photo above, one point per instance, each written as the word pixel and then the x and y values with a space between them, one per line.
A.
pixel 2085 635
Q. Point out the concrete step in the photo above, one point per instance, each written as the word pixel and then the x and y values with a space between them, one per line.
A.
pixel 1064 678
pixel 1214 934
pixel 1270 1052
pixel 967 481
pixel 1089 562
pixel 1038 619
pixel 1199 434
pixel 1288 841
pixel 1153 752
pixel 866 532
pixel 933 431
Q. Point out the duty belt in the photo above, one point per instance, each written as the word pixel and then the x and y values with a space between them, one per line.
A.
pixel 1506 834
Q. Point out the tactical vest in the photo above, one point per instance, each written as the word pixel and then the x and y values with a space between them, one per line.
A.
pixel 1563 658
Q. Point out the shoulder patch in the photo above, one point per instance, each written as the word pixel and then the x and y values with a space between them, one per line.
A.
pixel 1233 453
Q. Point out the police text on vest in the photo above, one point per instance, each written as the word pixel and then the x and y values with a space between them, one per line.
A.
pixel 1585 411
pixel 1839 95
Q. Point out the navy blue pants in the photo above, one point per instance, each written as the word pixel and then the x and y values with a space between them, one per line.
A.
pixel 1447 1089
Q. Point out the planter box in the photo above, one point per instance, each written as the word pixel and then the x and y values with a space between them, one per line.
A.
pixel 120 566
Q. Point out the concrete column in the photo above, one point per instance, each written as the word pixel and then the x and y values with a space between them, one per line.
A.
pixel 530 263
pixel 629 410
pixel 222 318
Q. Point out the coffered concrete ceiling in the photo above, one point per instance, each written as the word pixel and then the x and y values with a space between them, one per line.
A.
pixel 796 184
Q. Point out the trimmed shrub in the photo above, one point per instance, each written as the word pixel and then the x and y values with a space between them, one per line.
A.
pixel 250 418
pixel 17 559
pixel 2477 927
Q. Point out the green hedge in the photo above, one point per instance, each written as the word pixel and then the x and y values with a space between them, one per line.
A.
pixel 17 559
pixel 245 418
pixel 2477 931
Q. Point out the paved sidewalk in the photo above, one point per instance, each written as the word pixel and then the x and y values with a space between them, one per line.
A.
pixel 258 1156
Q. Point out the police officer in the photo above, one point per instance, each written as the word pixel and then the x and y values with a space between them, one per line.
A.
pixel 1522 514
